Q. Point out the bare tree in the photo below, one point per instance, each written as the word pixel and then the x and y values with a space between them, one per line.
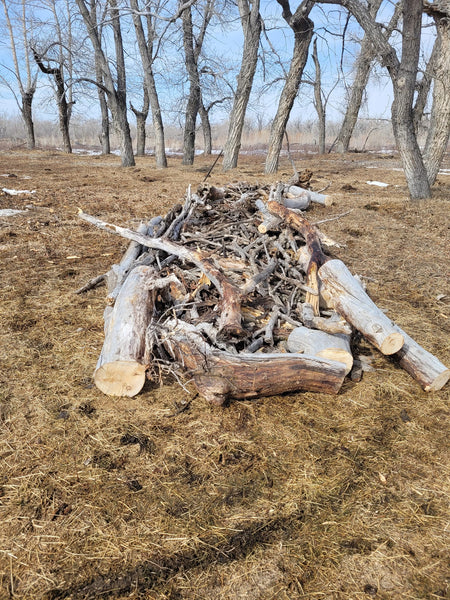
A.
pixel 64 106
pixel 251 25
pixel 423 86
pixel 26 85
pixel 148 53
pixel 403 74
pixel 303 28
pixel 115 88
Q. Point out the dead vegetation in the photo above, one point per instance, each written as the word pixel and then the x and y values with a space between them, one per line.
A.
pixel 165 496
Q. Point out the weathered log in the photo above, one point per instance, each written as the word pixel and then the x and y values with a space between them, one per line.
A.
pixel 334 324
pixel 120 370
pixel 322 344
pixel 221 375
pixel 346 295
pixel 422 365
pixel 294 192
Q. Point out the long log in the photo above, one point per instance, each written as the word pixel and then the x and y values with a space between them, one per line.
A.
pixel 348 298
pixel 422 365
pixel 220 375
pixel 120 370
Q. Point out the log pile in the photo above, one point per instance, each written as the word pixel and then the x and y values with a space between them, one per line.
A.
pixel 235 288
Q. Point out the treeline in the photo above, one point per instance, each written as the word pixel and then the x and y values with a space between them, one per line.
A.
pixel 199 56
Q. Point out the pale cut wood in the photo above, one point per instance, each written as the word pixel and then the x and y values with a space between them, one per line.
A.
pixel 349 299
pixel 120 370
pixel 422 365
pixel 221 375
pixel 295 191
pixel 322 344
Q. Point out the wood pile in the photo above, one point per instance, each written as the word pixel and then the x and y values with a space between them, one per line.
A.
pixel 234 288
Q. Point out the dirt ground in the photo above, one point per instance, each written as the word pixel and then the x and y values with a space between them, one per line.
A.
pixel 164 496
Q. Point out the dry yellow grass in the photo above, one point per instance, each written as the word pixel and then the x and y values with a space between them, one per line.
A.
pixel 299 496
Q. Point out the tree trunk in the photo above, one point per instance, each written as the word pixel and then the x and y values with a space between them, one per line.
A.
pixel 423 87
pixel 61 100
pixel 141 118
pixel 318 103
pixel 119 107
pixel 402 107
pixel 251 25
pixel 303 29
pixel 439 131
pixel 193 102
pixel 206 127
pixel 26 110
pixel 146 52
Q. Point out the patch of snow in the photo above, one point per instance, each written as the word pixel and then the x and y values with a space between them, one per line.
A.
pixel 18 192
pixel 10 212
pixel 378 183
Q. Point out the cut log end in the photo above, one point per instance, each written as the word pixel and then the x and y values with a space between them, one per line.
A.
pixel 338 355
pixel 439 382
pixel 392 343
pixel 120 378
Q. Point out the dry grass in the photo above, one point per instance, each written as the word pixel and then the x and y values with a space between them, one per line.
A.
pixel 299 496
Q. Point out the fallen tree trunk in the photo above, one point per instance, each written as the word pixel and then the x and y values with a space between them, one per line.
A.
pixel 422 365
pixel 219 376
pixel 120 370
pixel 346 295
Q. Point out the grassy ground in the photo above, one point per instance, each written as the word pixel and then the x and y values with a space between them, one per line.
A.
pixel 299 496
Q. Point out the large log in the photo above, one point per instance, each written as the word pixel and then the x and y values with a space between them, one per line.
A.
pixel 220 375
pixel 346 295
pixel 422 365
pixel 120 370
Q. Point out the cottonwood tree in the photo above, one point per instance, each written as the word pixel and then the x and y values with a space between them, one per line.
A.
pixel 362 68
pixel 64 105
pixel 192 47
pixel 114 84
pixel 144 21
pixel 251 23
pixel 303 28
pixel 18 36
pixel 403 73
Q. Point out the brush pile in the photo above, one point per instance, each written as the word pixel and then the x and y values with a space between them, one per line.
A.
pixel 235 289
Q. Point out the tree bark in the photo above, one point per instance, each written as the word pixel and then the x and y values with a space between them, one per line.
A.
pixel 439 131
pixel 251 26
pixel 303 29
